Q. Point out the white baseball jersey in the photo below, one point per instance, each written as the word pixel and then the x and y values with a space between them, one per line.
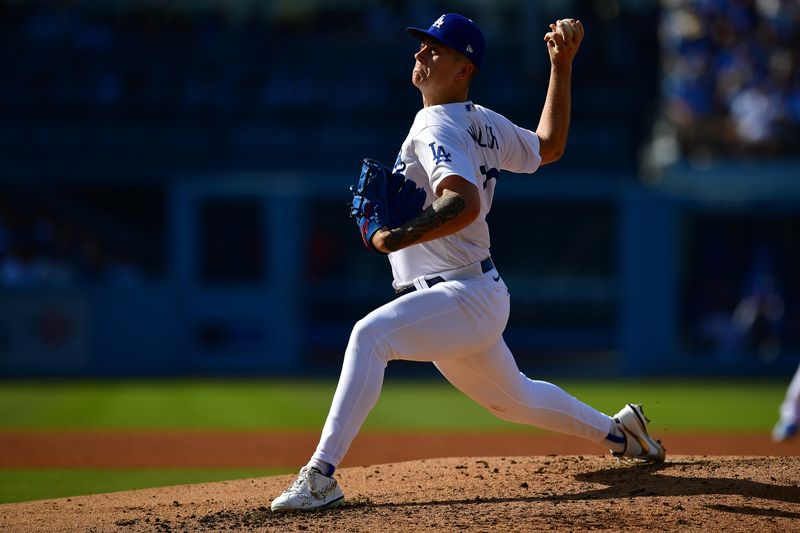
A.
pixel 475 143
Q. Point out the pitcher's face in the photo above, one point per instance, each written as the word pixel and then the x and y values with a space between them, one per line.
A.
pixel 436 64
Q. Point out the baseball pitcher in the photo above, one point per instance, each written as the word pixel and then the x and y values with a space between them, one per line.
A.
pixel 428 213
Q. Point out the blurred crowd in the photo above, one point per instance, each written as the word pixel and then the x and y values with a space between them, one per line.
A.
pixel 40 248
pixel 731 82
pixel 313 62
pixel 158 63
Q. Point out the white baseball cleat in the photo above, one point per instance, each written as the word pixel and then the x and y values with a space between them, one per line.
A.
pixel 633 423
pixel 311 491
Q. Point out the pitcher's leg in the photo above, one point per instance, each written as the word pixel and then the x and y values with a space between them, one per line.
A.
pixel 419 327
pixel 357 392
pixel 491 378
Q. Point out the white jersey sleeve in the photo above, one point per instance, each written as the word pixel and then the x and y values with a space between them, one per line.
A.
pixel 443 152
pixel 521 150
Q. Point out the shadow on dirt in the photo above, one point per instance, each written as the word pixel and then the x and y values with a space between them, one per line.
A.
pixel 753 511
pixel 655 481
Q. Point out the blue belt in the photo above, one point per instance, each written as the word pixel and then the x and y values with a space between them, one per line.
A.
pixel 486 266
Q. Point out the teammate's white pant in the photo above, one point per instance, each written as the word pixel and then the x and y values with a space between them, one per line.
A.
pixel 457 325
pixel 790 408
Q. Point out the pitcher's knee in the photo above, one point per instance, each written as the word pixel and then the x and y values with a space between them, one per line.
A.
pixel 364 331
pixel 367 339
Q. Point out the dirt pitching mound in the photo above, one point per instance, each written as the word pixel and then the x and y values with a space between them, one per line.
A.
pixel 500 494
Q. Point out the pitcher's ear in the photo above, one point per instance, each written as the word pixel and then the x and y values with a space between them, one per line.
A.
pixel 467 70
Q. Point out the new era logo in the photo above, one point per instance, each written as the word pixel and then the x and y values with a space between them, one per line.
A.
pixel 469 49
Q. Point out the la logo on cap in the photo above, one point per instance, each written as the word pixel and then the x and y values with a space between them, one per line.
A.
pixel 469 48
pixel 439 22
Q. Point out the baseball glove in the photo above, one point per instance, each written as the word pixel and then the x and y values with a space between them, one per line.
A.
pixel 381 198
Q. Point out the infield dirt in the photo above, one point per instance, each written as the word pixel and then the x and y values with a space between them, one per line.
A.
pixel 502 494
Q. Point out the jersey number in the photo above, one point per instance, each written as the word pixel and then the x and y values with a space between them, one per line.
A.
pixel 490 174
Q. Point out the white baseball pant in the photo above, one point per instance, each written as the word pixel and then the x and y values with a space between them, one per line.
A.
pixel 458 326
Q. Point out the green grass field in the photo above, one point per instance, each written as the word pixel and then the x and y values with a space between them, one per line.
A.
pixel 699 406
pixel 404 405
pixel 38 484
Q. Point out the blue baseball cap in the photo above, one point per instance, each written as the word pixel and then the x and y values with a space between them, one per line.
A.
pixel 457 32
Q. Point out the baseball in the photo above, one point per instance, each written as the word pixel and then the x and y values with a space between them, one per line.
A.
pixel 566 28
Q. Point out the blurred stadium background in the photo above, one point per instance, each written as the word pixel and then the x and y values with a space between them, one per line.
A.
pixel 175 175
